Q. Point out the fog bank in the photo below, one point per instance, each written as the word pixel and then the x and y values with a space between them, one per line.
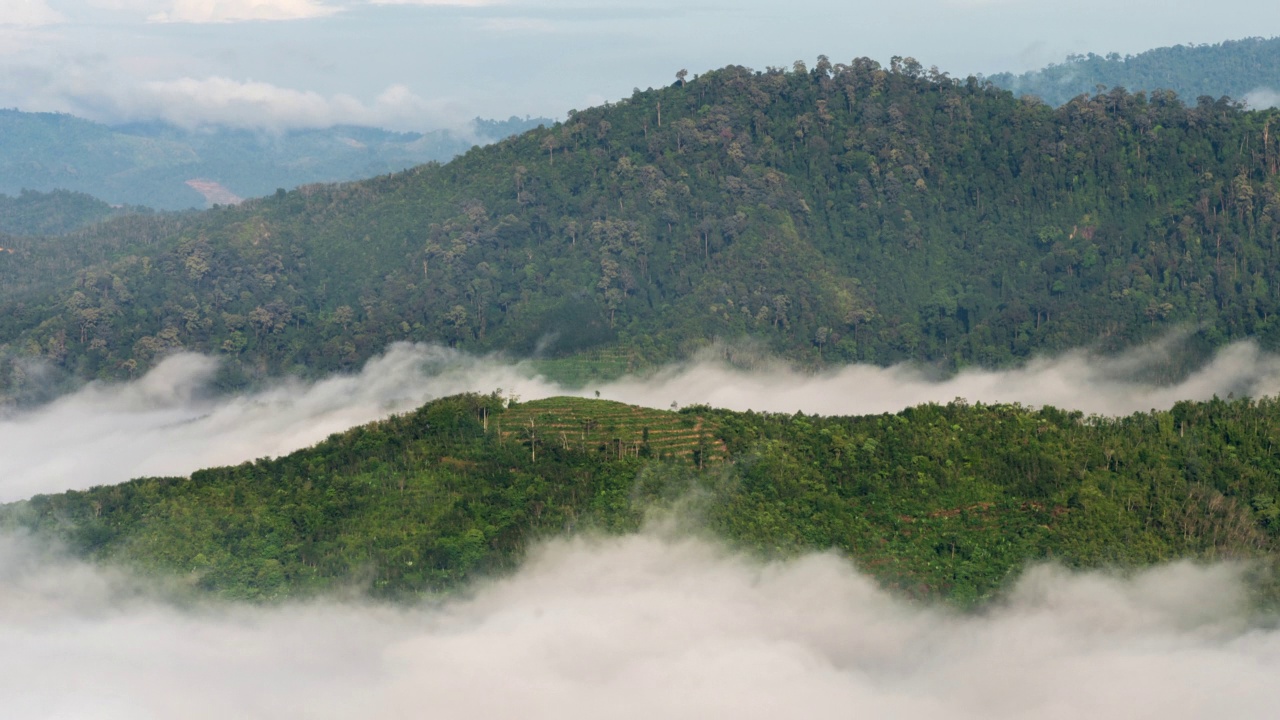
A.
pixel 164 424
pixel 641 627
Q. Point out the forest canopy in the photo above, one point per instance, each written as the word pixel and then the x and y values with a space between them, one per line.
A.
pixel 839 213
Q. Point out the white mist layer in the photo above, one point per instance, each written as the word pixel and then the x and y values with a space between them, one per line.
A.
pixel 162 425
pixel 641 627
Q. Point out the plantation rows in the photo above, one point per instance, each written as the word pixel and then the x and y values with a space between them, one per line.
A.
pixel 612 427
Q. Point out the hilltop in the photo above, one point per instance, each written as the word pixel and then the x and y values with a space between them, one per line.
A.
pixel 936 501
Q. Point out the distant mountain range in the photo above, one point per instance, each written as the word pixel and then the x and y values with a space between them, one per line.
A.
pixel 170 168
pixel 1239 69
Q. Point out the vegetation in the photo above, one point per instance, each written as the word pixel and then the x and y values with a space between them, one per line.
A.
pixel 1234 68
pixel 936 501
pixel 54 213
pixel 839 213
pixel 149 164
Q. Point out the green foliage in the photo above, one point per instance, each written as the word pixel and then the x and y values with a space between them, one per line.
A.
pixel 53 213
pixel 937 501
pixel 847 213
pixel 1233 68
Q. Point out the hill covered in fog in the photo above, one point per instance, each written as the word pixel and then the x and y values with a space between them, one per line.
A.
pixel 167 167
pixel 840 213
pixel 937 501
pixel 1247 69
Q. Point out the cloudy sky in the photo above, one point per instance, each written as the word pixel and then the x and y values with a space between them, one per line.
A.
pixel 420 64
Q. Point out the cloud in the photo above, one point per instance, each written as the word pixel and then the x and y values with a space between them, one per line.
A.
pixel 439 3
pixel 225 11
pixel 166 424
pixel 640 627
pixel 28 13
pixel 193 102
pixel 1076 380
pixel 1262 98
pixel 162 424
pixel 222 11
pixel 217 100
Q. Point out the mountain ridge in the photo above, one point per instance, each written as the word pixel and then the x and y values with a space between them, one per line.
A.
pixel 848 213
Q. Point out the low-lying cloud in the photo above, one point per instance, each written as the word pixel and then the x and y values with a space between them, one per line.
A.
pixel 1262 98
pixel 103 92
pixel 167 424
pixel 641 627
pixel 1076 380
pixel 193 102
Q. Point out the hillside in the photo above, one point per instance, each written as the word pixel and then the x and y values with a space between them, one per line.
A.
pixel 936 501
pixel 170 168
pixel 1235 68
pixel 54 213
pixel 840 213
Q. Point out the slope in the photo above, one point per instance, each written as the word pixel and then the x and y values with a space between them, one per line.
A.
pixel 844 213
pixel 937 501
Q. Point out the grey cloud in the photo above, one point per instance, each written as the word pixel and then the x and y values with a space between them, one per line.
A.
pixel 641 627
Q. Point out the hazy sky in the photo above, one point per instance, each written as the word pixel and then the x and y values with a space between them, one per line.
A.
pixel 419 64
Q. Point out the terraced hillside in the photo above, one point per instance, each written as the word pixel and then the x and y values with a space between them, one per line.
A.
pixel 615 428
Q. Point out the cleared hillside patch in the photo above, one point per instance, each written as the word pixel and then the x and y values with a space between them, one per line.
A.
pixel 614 428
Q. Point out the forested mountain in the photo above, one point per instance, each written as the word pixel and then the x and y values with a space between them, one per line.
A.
pixel 839 213
pixel 1234 68
pixel 54 213
pixel 938 501
pixel 170 168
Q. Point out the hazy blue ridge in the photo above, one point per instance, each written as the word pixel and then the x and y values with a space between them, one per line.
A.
pixel 150 164
pixel 1234 68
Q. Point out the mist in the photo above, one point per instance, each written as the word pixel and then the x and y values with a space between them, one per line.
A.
pixel 1262 98
pixel 658 624
pixel 645 626
pixel 167 423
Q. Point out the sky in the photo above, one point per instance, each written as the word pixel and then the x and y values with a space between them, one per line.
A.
pixel 427 64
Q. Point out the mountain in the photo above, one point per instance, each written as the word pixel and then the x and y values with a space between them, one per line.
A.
pixel 937 501
pixel 840 213
pixel 54 213
pixel 1235 68
pixel 170 168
